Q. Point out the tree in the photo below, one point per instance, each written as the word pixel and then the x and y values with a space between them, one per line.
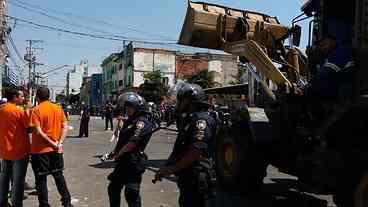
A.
pixel 153 87
pixel 154 76
pixel 205 79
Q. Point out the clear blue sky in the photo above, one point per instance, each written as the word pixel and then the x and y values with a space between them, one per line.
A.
pixel 155 19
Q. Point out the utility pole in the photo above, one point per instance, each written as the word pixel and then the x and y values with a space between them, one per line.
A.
pixel 31 59
pixel 3 35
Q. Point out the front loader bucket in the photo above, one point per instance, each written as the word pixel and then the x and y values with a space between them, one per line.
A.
pixel 210 26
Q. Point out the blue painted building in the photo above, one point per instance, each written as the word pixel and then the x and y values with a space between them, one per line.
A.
pixel 9 77
pixel 96 90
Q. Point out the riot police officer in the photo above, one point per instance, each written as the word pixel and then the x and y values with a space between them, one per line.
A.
pixel 129 152
pixel 190 159
pixel 84 122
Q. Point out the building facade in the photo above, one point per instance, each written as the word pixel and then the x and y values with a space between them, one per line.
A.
pixel 138 61
pixel 93 69
pixel 9 77
pixel 85 92
pixel 110 80
pixel 96 90
pixel 225 67
pixel 74 80
pixel 190 64
pixel 125 70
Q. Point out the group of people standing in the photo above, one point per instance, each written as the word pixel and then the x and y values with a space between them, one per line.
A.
pixel 85 114
pixel 36 134
pixel 190 160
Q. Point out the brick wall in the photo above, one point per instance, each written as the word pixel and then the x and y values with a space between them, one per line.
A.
pixel 187 65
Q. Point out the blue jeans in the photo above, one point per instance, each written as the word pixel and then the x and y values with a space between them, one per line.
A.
pixel 15 171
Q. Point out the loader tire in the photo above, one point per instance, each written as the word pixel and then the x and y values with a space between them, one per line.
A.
pixel 240 167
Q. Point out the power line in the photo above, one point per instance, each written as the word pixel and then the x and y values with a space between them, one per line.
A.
pixel 166 45
pixel 115 38
pixel 58 19
pixel 18 68
pixel 15 49
pixel 11 57
pixel 20 24
pixel 77 46
pixel 100 22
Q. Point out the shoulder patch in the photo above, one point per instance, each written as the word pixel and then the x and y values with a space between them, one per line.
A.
pixel 140 125
pixel 201 124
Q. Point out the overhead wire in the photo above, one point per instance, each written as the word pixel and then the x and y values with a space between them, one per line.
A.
pixel 11 57
pixel 17 67
pixel 97 36
pixel 77 46
pixel 66 22
pixel 15 48
pixel 57 18
pixel 100 22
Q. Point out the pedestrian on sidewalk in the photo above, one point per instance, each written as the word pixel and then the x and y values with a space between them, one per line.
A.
pixel 109 114
pixel 14 148
pixel 50 130
pixel 84 123
pixel 129 152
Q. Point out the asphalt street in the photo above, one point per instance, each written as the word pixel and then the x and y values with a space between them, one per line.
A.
pixel 86 176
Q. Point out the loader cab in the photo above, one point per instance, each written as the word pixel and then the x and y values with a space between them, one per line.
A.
pixel 345 21
pixel 332 19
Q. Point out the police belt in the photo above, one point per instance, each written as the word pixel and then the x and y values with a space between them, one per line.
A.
pixel 205 163
pixel 134 154
pixel 140 154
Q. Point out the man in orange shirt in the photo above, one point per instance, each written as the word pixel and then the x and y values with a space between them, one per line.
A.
pixel 14 148
pixel 50 129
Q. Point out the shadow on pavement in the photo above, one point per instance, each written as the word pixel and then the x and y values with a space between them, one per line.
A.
pixel 154 165
pixel 104 165
pixel 283 193
pixel 73 137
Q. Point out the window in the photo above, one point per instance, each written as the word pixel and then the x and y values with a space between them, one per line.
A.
pixel 120 66
pixel 121 82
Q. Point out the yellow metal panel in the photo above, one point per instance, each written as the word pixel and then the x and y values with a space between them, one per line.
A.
pixel 254 53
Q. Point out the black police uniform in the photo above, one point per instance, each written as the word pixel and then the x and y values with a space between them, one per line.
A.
pixel 130 166
pixel 84 123
pixel 198 130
